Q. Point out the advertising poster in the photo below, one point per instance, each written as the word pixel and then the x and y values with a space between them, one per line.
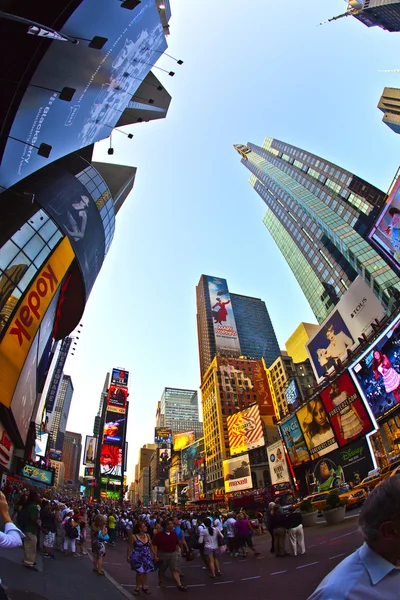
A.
pixel 263 390
pixel 192 461
pixel 292 394
pixel 164 463
pixel 377 372
pixel 237 474
pixel 36 474
pixel 316 428
pixel 89 472
pixel 117 396
pixel 114 425
pixel 386 231
pixel 347 413
pixel 225 332
pixel 163 435
pixel 111 460
pixel 181 440
pixel 119 377
pixel 351 317
pixel 245 430
pixel 89 454
pixel 294 440
pixel 277 463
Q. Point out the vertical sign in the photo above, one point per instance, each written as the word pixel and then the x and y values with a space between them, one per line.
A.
pixel 225 332
pixel 57 375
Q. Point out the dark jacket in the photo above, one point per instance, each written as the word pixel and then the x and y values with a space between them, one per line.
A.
pixel 294 519
pixel 278 520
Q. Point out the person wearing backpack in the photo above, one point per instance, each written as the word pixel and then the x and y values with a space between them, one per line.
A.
pixel 27 521
pixel 71 535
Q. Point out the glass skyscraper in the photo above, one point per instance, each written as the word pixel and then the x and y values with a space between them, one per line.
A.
pixel 319 215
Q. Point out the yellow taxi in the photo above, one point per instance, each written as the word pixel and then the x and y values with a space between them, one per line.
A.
pixel 395 472
pixel 354 497
pixel 368 483
pixel 387 471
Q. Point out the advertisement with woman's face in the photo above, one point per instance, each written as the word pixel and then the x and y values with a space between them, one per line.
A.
pixel 316 428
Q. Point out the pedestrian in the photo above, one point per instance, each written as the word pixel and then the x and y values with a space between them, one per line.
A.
pixel 371 572
pixel 140 555
pixel 49 529
pixel 294 525
pixel 271 506
pixel 278 525
pixel 210 536
pixel 27 520
pixel 218 522
pixel 99 536
pixel 82 538
pixel 168 551
pixel 231 533
pixel 244 531
pixel 111 525
pixel 260 522
pixel 71 525
pixel 12 536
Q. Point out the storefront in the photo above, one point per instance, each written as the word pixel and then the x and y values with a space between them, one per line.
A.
pixel 386 441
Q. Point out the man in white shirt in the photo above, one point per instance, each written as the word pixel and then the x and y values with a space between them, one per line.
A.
pixel 230 533
pixel 12 536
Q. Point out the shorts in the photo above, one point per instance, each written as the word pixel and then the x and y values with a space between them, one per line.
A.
pixel 208 551
pixel 244 540
pixel 49 539
pixel 169 560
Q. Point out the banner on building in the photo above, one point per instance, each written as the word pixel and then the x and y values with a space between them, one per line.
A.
pixel 237 474
pixel 193 460
pixel 182 440
pixel 117 397
pixel 120 377
pixel 294 440
pixel 316 428
pixel 277 463
pixel 386 231
pixel 245 430
pixel 163 435
pixel 377 372
pixel 347 413
pixel 89 455
pixel 340 331
pixel 225 332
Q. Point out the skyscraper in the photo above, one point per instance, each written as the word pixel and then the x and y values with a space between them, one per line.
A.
pixel 179 410
pixel 71 455
pixel 389 103
pixel 318 214
pixel 374 13
pixel 247 322
pixel 61 412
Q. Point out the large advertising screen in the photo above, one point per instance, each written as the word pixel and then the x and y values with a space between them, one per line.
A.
pixel 294 440
pixel 105 82
pixel 277 463
pixel 316 428
pixel 386 231
pixel 164 463
pixel 89 454
pixel 114 426
pixel 111 460
pixel 40 475
pixel 237 474
pixel 192 461
pixel 181 440
pixel 245 430
pixel 120 377
pixel 346 411
pixel 163 435
pixel 377 372
pixel 225 332
pixel 117 397
pixel 351 317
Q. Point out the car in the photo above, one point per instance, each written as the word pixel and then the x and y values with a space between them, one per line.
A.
pixel 387 471
pixel 368 483
pixel 354 497
pixel 395 472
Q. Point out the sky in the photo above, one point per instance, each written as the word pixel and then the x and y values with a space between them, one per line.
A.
pixel 251 70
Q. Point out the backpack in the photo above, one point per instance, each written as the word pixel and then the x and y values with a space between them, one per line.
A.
pixel 71 532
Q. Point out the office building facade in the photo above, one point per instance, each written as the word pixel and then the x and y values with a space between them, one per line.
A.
pixel 389 104
pixel 319 214
pixel 178 406
pixel 71 453
pixel 376 13
pixel 61 412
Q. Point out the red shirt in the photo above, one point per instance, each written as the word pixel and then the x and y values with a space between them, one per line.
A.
pixel 166 542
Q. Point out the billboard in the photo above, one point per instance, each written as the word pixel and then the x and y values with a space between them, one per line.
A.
pixel 111 460
pixel 89 454
pixel 192 461
pixel 41 444
pixel 163 435
pixel 386 231
pixel 120 377
pixel 316 428
pixel 89 472
pixel 34 473
pixel 181 440
pixel 57 375
pixel 292 394
pixel 277 463
pixel 105 82
pixel 237 475
pixel 245 430
pixel 351 317
pixel 164 463
pixel 225 332
pixel 377 371
pixel 117 397
pixel 262 388
pixel 114 426
pixel 6 449
pixel 347 413
pixel 294 440
pixel 21 331
pixel 25 394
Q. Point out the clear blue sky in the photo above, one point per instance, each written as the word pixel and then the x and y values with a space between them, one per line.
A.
pixel 251 69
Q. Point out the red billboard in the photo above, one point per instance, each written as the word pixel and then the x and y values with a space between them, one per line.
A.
pixel 117 397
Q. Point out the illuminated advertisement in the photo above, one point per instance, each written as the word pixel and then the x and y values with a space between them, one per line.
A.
pixel 351 317
pixel 111 460
pixel 120 377
pixel 117 396
pixel 89 454
pixel 277 463
pixel 245 430
pixel 262 388
pixel 163 435
pixel 225 332
pixel 292 394
pixel 192 462
pixel 386 231
pixel 237 474
pixel 6 449
pixel 37 474
pixel 114 425
pixel 41 444
pixel 164 463
pixel 316 428
pixel 17 340
pixel 346 411
pixel 130 44
pixel 377 372
pixel 181 440
pixel 89 472
pixel 294 440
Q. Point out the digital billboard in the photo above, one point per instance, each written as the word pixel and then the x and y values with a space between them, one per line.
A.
pixel 89 454
pixel 117 396
pixel 164 463
pixel 294 440
pixel 386 231
pixel 119 377
pixel 104 83
pixel 277 463
pixel 245 430
pixel 89 472
pixel 377 372
pixel 340 331
pixel 292 394
pixel 346 411
pixel 181 440
pixel 225 332
pixel 111 460
pixel 316 428
pixel 114 426
pixel 237 474
pixel 41 444
pixel 192 461
pixel 163 435
pixel 34 473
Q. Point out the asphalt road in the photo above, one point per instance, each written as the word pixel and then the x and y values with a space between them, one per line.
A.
pixel 265 576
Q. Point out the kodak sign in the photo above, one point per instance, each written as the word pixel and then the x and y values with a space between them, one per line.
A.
pixel 21 332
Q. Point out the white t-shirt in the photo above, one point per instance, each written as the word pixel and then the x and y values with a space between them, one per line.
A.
pixel 218 524
pixel 230 527
pixel 210 541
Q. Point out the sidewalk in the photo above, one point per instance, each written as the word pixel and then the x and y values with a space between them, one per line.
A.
pixel 66 578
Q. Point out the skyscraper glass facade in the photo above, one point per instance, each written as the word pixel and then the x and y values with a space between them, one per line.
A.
pixel 61 412
pixel 319 214
pixel 179 405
